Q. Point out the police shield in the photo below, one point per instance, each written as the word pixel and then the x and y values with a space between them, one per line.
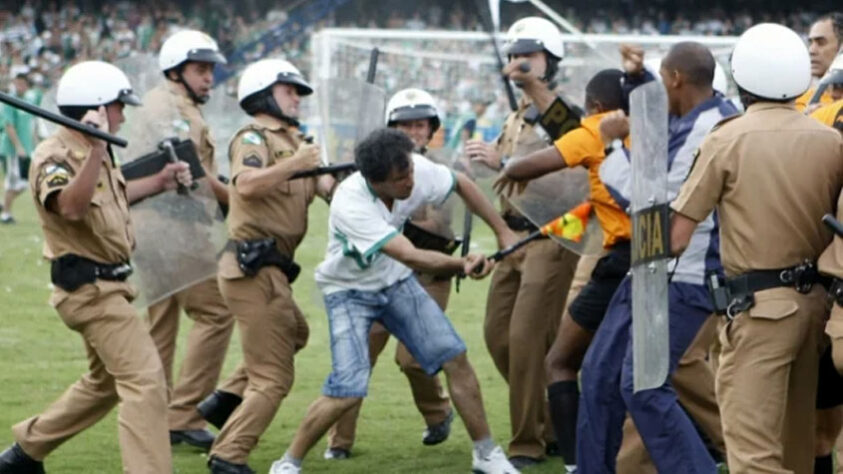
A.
pixel 554 194
pixel 650 236
pixel 349 109
pixel 178 234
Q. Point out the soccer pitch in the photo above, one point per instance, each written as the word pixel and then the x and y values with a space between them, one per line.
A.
pixel 40 357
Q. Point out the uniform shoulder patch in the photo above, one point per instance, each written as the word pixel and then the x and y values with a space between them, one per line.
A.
pixel 181 125
pixel 56 175
pixel 253 161
pixel 251 138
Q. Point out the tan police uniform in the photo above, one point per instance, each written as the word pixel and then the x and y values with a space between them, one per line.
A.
pixel 272 328
pixel 124 366
pixel 772 173
pixel 428 392
pixel 209 336
pixel 523 309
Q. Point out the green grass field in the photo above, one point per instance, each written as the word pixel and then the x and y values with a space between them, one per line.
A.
pixel 40 357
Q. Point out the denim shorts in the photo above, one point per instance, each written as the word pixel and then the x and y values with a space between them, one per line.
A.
pixel 407 312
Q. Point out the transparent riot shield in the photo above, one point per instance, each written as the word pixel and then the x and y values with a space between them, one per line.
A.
pixel 554 194
pixel 650 236
pixel 225 118
pixel 349 109
pixel 178 235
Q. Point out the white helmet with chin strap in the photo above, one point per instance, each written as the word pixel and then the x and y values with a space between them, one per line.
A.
pixel 90 84
pixel 188 45
pixel 254 91
pixel 412 104
pixel 185 46
pixel 771 61
pixel 533 34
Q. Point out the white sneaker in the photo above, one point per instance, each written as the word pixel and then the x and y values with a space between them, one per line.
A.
pixel 284 467
pixel 495 463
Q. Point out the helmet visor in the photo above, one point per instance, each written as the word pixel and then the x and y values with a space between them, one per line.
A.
pixel 206 55
pixel 128 97
pixel 295 80
pixel 403 114
pixel 524 46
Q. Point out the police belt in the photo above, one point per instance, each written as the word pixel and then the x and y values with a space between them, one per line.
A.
pixel 518 223
pixel 740 290
pixel 252 255
pixel 71 271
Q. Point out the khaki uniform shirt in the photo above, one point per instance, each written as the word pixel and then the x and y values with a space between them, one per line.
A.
pixel 516 139
pixel 105 233
pixel 191 124
pixel 771 173
pixel 281 214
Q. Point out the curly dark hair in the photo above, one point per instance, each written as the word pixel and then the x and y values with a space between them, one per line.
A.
pixel 382 151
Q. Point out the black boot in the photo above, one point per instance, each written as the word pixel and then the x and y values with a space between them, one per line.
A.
pixel 14 461
pixel 218 406
pixel 198 438
pixel 220 466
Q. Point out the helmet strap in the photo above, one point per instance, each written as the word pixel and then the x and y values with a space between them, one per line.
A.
pixel 272 108
pixel 196 98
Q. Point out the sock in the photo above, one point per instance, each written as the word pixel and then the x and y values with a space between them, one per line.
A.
pixel 823 465
pixel 291 460
pixel 484 447
pixel 564 399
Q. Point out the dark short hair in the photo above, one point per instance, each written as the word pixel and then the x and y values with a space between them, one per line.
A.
pixel 605 88
pixel 694 61
pixel 382 151
pixel 836 19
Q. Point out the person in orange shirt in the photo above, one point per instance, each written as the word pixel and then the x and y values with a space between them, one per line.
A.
pixel 824 41
pixel 581 147
pixel 832 114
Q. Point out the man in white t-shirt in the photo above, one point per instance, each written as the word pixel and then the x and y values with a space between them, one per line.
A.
pixel 367 276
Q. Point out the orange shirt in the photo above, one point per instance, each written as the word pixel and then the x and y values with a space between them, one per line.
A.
pixel 831 114
pixel 802 100
pixel 583 147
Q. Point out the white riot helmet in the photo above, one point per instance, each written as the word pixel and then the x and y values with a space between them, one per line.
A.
pixel 533 34
pixel 188 45
pixel 184 46
pixel 412 104
pixel 771 61
pixel 90 84
pixel 254 92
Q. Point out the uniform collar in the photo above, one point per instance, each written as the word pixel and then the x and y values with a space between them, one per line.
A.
pixel 759 106
pixel 75 141
pixel 272 124
pixel 177 90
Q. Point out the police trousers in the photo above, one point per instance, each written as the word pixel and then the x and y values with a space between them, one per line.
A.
pixel 123 367
pixel 207 343
pixel 272 330
pixel 524 306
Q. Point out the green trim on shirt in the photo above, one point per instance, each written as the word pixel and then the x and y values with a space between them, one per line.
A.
pixel 371 190
pixel 365 260
pixel 453 188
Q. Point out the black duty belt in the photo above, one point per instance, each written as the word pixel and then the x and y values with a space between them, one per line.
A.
pixel 518 223
pixel 70 271
pixel 738 293
pixel 252 255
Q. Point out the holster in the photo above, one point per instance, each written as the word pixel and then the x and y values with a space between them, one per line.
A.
pixel 71 271
pixel 252 255
pixel 737 294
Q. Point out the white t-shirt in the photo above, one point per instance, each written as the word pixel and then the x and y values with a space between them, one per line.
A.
pixel 360 225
